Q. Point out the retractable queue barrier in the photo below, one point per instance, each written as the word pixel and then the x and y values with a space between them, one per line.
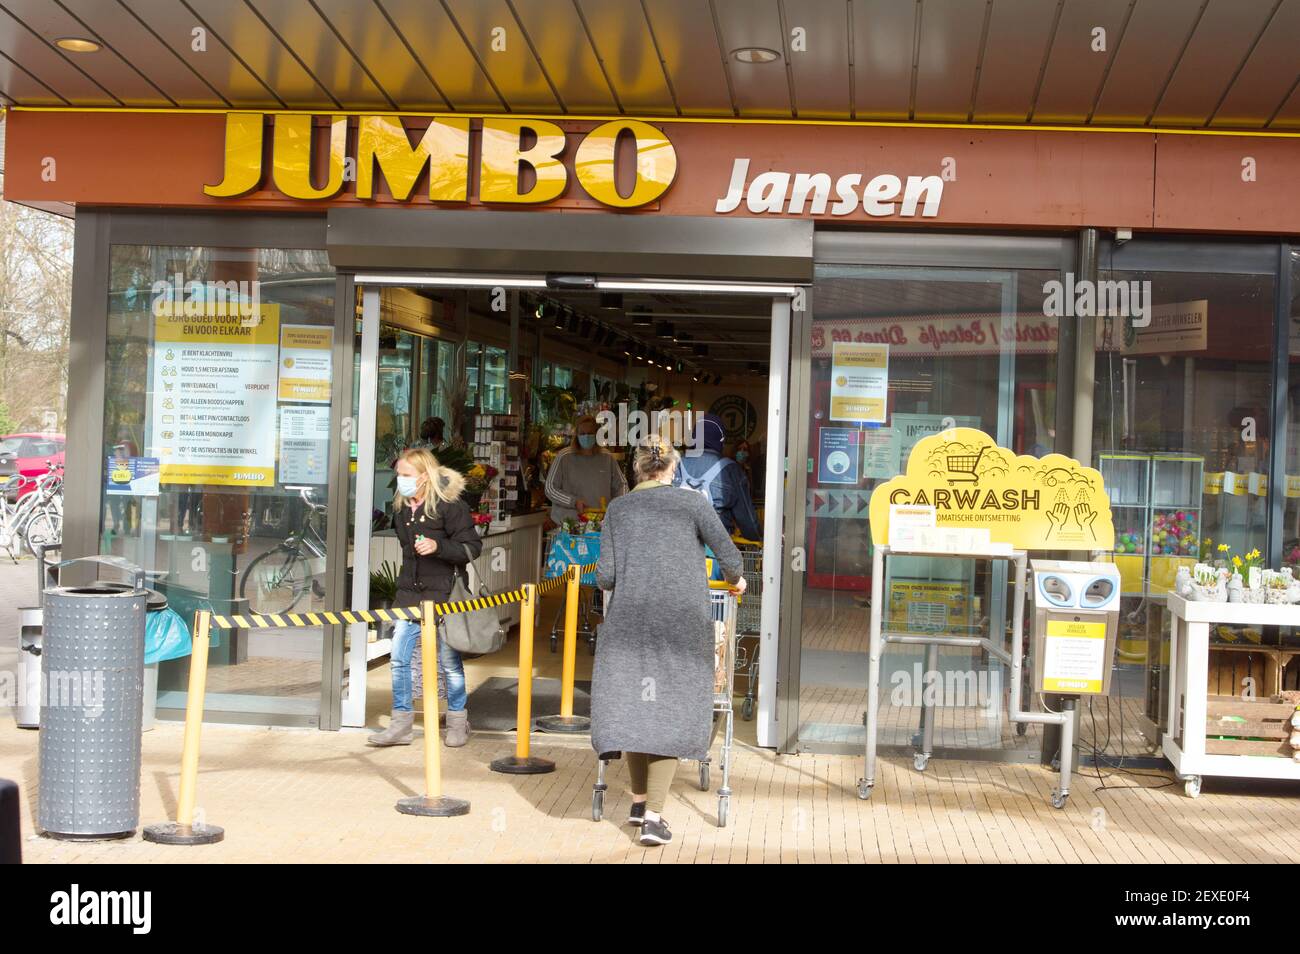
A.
pixel 185 830
pixel 190 829
pixel 522 762
pixel 432 803
pixel 566 721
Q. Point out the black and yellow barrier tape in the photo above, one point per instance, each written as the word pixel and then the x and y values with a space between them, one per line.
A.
pixel 551 585
pixel 412 613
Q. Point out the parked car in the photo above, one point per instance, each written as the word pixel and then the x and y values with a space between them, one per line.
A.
pixel 29 455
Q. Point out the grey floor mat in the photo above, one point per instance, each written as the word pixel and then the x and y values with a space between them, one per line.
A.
pixel 493 706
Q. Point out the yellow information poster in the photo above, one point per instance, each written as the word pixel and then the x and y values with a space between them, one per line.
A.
pixel 1074 656
pixel 214 375
pixel 927 606
pixel 1030 503
pixel 305 355
pixel 859 382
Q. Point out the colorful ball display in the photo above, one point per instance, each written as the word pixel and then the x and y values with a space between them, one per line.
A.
pixel 1174 533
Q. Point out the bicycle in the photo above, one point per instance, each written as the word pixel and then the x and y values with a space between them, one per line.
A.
pixel 35 518
pixel 282 575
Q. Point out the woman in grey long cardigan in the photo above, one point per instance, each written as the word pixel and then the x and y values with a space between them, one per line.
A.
pixel 652 688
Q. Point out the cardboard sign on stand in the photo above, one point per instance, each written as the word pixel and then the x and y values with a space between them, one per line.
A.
pixel 1028 503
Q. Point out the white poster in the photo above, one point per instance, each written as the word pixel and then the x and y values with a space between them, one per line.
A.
pixel 304 444
pixel 214 386
pixel 910 428
pixel 305 356
pixel 859 382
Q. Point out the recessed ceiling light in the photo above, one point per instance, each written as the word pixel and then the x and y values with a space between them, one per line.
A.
pixel 755 54
pixel 76 44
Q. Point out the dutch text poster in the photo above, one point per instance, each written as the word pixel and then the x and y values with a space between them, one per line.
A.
pixel 214 386
pixel 838 455
pixel 305 363
pixel 304 444
pixel 859 382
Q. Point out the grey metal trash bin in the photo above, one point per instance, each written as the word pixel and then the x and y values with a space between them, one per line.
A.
pixel 93 661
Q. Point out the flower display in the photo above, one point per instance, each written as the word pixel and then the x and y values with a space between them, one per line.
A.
pixel 478 477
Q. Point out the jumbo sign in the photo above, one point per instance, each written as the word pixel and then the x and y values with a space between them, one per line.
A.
pixel 507 146
pixel 1031 503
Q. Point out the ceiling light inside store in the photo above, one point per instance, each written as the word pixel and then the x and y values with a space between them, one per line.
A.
pixel 755 54
pixel 76 44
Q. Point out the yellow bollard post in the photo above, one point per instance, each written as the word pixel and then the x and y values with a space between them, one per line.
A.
pixel 432 803
pixel 185 831
pixel 522 762
pixel 566 721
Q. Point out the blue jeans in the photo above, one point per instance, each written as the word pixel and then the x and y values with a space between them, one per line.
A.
pixel 450 665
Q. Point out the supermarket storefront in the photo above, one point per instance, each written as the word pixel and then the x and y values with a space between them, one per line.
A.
pixel 1124 297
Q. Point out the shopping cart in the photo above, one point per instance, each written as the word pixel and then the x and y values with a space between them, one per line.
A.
pixel 749 620
pixel 964 464
pixel 559 550
pixel 722 610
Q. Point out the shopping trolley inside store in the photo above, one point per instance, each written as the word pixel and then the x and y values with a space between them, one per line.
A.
pixel 722 611
pixel 749 615
pixel 561 549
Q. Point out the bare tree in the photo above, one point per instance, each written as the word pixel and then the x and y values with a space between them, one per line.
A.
pixel 35 304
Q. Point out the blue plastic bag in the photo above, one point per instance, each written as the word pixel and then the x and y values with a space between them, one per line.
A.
pixel 165 636
pixel 579 548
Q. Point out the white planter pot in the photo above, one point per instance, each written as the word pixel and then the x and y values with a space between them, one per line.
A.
pixel 1217 593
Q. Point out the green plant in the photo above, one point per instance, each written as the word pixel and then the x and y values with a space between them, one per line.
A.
pixel 383 584
pixel 1206 576
pixel 456 458
pixel 557 405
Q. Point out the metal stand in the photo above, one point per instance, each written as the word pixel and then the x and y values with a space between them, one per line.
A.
pixel 528 765
pixel 575 724
pixel 443 806
pixel 932 642
pixel 174 833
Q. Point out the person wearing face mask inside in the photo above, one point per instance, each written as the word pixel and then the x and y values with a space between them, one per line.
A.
pixel 582 474
pixel 436 531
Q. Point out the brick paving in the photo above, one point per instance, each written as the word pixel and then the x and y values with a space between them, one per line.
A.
pixel 295 795
pixel 304 795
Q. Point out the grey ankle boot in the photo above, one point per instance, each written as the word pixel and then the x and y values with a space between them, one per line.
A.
pixel 457 728
pixel 398 731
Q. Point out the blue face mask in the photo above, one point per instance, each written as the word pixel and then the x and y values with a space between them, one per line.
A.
pixel 407 486
pixel 586 441
pixel 742 456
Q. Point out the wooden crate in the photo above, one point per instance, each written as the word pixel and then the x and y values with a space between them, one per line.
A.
pixel 1229 665
pixel 1266 729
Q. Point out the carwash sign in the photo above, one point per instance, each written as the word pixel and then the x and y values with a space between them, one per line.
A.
pixel 969 482
pixel 510 150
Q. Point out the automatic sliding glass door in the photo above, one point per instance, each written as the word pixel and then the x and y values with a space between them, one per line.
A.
pixel 967 348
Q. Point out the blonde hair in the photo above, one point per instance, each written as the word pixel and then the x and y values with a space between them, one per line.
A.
pixel 441 483
pixel 654 458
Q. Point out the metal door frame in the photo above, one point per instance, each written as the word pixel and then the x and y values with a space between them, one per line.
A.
pixel 964 255
pixel 352 699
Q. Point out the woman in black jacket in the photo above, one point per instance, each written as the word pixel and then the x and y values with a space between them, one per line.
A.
pixel 438 539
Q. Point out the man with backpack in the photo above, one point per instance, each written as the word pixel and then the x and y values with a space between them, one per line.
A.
pixel 720 479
